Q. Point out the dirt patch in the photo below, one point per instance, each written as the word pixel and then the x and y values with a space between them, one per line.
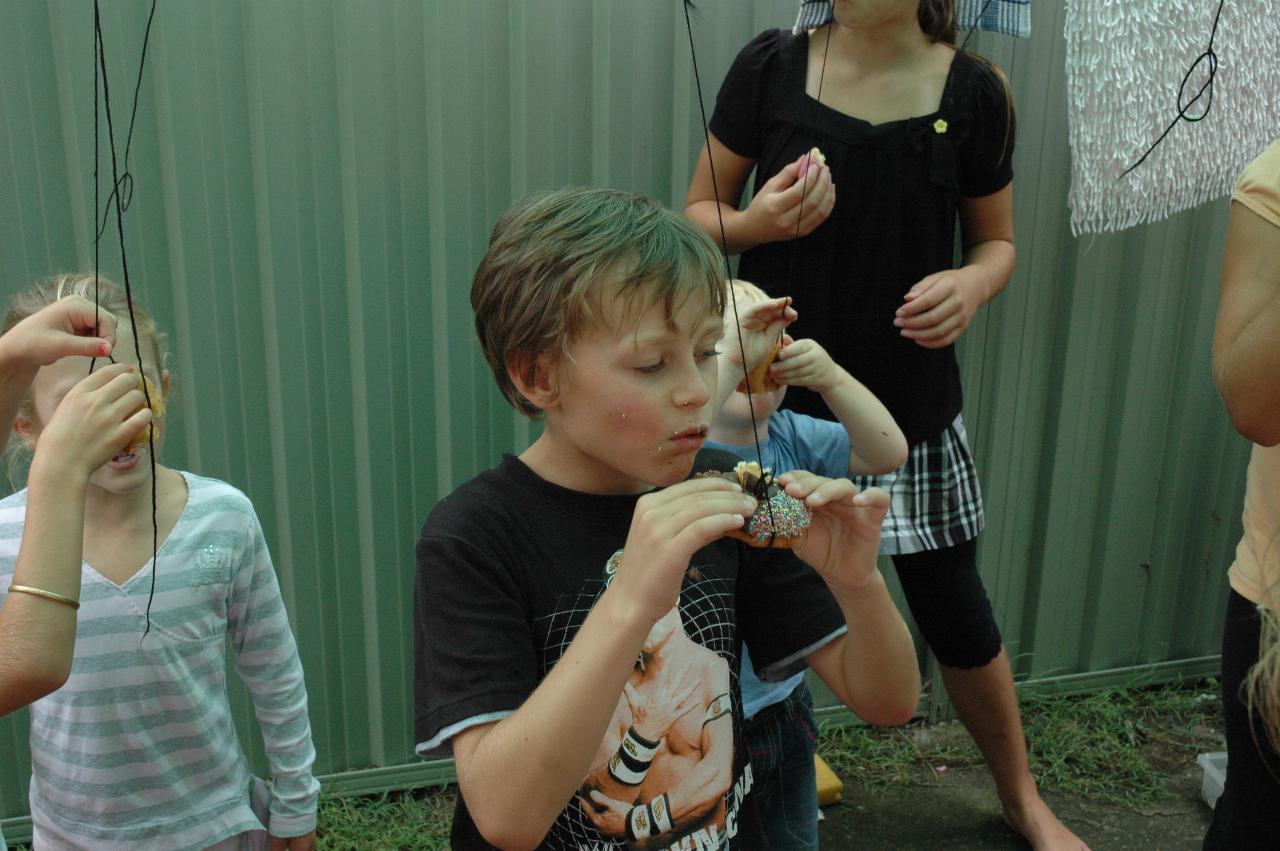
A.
pixel 961 810
pixel 957 807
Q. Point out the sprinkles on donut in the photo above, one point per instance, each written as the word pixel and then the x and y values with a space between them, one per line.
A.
pixel 779 520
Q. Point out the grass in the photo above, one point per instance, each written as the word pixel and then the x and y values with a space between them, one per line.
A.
pixel 416 819
pixel 1114 746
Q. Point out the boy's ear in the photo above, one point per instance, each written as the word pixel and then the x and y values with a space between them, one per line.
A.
pixel 535 378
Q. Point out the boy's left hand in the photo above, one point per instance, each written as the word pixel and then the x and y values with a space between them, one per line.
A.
pixel 294 843
pixel 938 309
pixel 844 539
pixel 803 363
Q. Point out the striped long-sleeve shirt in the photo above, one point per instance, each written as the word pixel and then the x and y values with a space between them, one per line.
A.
pixel 138 749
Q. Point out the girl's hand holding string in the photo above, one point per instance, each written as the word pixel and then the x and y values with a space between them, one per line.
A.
pixel 938 309
pixel 801 189
pixel 97 418
pixel 68 327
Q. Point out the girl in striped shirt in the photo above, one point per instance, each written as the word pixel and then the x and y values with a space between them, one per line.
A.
pixel 138 750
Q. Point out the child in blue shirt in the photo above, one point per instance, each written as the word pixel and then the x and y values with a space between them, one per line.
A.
pixel 780 729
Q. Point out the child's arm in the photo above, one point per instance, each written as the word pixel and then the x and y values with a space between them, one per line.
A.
pixel 761 324
pixel 516 775
pixel 102 413
pixel 939 307
pixel 872 668
pixel 1246 337
pixel 773 212
pixel 876 443
pixel 267 661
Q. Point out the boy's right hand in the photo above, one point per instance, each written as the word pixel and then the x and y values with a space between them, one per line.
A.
pixel 68 327
pixel 771 216
pixel 668 527
pixel 98 417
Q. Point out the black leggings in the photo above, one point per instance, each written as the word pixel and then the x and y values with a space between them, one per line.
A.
pixel 949 604
pixel 1248 813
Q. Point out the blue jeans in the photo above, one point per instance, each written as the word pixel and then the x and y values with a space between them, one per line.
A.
pixel 781 739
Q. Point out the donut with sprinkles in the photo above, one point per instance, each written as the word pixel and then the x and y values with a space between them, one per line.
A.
pixel 779 520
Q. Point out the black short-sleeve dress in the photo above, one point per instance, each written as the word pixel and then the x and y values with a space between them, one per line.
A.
pixel 899 185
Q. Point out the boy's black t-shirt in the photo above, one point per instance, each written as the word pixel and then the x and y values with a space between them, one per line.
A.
pixel 509 565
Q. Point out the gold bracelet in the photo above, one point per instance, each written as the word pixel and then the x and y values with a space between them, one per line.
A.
pixel 48 595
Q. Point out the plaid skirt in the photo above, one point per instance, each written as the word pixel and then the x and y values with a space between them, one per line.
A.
pixel 934 498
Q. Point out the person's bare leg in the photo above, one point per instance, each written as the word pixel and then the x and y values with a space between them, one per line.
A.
pixel 986 702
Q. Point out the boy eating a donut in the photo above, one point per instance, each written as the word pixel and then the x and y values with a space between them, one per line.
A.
pixel 579 610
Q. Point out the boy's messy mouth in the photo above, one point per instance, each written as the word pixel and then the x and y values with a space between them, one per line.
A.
pixel 697 431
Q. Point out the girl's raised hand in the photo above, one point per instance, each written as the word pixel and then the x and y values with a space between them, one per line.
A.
pixel 844 539
pixel 97 418
pixel 772 214
pixel 70 326
pixel 938 309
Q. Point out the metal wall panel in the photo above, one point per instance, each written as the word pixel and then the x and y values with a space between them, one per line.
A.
pixel 314 183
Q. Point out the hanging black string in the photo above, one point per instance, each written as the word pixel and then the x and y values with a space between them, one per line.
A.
pixel 1209 57
pixel 728 272
pixel 123 189
pixel 97 311
pixel 804 185
pixel 120 205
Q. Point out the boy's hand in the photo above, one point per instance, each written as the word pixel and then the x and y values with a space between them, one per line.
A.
pixel 803 363
pixel 761 324
pixel 668 527
pixel 97 418
pixel 773 212
pixel 66 327
pixel 294 843
pixel 938 309
pixel 844 539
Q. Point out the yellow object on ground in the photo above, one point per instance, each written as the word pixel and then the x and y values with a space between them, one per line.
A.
pixel 830 787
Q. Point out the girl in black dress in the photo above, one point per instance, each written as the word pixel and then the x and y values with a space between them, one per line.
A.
pixel 917 138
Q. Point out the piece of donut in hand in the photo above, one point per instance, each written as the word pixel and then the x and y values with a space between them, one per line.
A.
pixel 812 157
pixel 157 413
pixel 758 379
pixel 779 520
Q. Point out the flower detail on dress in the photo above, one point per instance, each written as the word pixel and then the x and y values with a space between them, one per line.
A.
pixel 940 126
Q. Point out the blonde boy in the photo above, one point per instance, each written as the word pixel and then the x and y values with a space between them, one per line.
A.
pixel 781 731
pixel 545 586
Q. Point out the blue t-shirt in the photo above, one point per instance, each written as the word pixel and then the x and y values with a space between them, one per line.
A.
pixel 795 442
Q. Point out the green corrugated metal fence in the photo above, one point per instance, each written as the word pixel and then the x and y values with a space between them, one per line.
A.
pixel 314 182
